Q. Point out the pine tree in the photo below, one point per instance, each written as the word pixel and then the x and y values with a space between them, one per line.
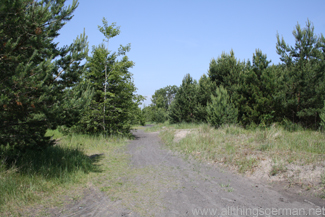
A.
pixel 221 110
pixel 205 89
pixel 35 72
pixel 257 102
pixel 117 96
pixel 225 71
pixel 304 75
pixel 182 108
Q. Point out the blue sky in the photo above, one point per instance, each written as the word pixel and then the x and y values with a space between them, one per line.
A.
pixel 170 38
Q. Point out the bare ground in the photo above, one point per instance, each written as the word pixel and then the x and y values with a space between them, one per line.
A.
pixel 173 186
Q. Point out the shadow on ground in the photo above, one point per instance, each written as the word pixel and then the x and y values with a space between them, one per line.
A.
pixel 54 162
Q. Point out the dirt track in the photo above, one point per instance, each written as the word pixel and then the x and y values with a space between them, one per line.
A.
pixel 183 187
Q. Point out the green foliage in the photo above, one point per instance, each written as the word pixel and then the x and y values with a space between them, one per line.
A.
pixel 225 71
pixel 138 118
pixel 148 113
pixel 161 102
pixel 303 89
pixel 164 96
pixel 205 89
pixel 221 110
pixel 114 104
pixel 322 117
pixel 36 73
pixel 257 101
pixel 182 108
pixel 159 115
pixel 291 126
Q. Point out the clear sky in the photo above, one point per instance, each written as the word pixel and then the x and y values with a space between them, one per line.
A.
pixel 170 38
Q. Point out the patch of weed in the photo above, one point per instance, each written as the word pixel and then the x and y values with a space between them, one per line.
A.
pixel 246 164
pixel 277 168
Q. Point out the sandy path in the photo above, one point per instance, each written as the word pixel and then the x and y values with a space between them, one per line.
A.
pixel 188 188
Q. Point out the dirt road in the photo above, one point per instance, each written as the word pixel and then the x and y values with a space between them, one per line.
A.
pixel 187 188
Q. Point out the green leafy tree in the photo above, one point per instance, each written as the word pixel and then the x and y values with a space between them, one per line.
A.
pixel 148 113
pixel 304 85
pixel 221 110
pixel 171 91
pixel 183 106
pixel 36 73
pixel 159 115
pixel 138 117
pixel 161 101
pixel 164 96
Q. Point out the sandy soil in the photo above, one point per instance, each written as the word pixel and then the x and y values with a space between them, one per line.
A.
pixel 181 187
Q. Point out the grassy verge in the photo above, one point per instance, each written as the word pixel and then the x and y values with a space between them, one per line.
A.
pixel 272 153
pixel 42 181
pixel 38 180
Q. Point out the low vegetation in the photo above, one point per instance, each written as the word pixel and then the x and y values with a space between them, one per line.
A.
pixel 271 153
pixel 60 174
pixel 41 179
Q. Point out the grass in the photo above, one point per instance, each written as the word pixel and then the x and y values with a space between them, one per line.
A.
pixel 161 126
pixel 245 149
pixel 233 142
pixel 40 178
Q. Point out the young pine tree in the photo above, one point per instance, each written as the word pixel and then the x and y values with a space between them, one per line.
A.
pixel 114 102
pixel 221 110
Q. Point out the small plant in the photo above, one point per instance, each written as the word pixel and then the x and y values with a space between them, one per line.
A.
pixel 265 147
pixel 266 120
pixel 246 164
pixel 277 168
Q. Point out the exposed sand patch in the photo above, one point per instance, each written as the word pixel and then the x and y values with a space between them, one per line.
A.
pixel 180 134
pixel 304 175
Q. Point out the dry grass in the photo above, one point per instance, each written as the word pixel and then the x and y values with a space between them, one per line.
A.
pixel 272 153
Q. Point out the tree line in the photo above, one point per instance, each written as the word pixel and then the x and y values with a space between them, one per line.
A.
pixel 253 93
pixel 44 86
